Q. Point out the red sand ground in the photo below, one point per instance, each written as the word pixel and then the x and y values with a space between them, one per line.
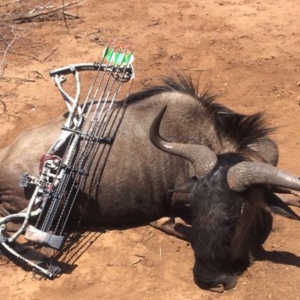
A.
pixel 247 50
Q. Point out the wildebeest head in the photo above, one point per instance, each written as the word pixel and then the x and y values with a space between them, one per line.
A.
pixel 231 202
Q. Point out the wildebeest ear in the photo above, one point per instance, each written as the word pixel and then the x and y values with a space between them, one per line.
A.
pixel 277 206
pixel 185 187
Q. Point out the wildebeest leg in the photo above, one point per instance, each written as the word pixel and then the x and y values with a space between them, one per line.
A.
pixel 290 199
pixel 174 226
pixel 277 206
pixel 288 196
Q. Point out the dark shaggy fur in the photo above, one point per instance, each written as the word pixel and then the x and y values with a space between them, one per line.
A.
pixel 243 130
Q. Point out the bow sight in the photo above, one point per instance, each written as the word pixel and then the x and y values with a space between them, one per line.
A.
pixel 67 163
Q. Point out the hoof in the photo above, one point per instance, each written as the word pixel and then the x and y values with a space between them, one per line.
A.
pixel 162 222
pixel 217 289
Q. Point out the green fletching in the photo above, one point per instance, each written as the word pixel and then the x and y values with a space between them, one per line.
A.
pixel 116 57
pixel 105 51
pixel 107 54
pixel 128 59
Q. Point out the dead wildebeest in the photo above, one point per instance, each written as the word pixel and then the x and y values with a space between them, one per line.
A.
pixel 230 184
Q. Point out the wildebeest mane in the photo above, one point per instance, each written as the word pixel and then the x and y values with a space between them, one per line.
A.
pixel 183 85
pixel 242 130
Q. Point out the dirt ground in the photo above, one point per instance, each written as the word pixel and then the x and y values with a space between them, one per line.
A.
pixel 247 50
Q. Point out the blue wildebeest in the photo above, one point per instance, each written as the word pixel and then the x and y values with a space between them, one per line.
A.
pixel 195 152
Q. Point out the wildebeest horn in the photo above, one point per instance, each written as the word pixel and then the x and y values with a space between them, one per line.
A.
pixel 200 156
pixel 244 174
